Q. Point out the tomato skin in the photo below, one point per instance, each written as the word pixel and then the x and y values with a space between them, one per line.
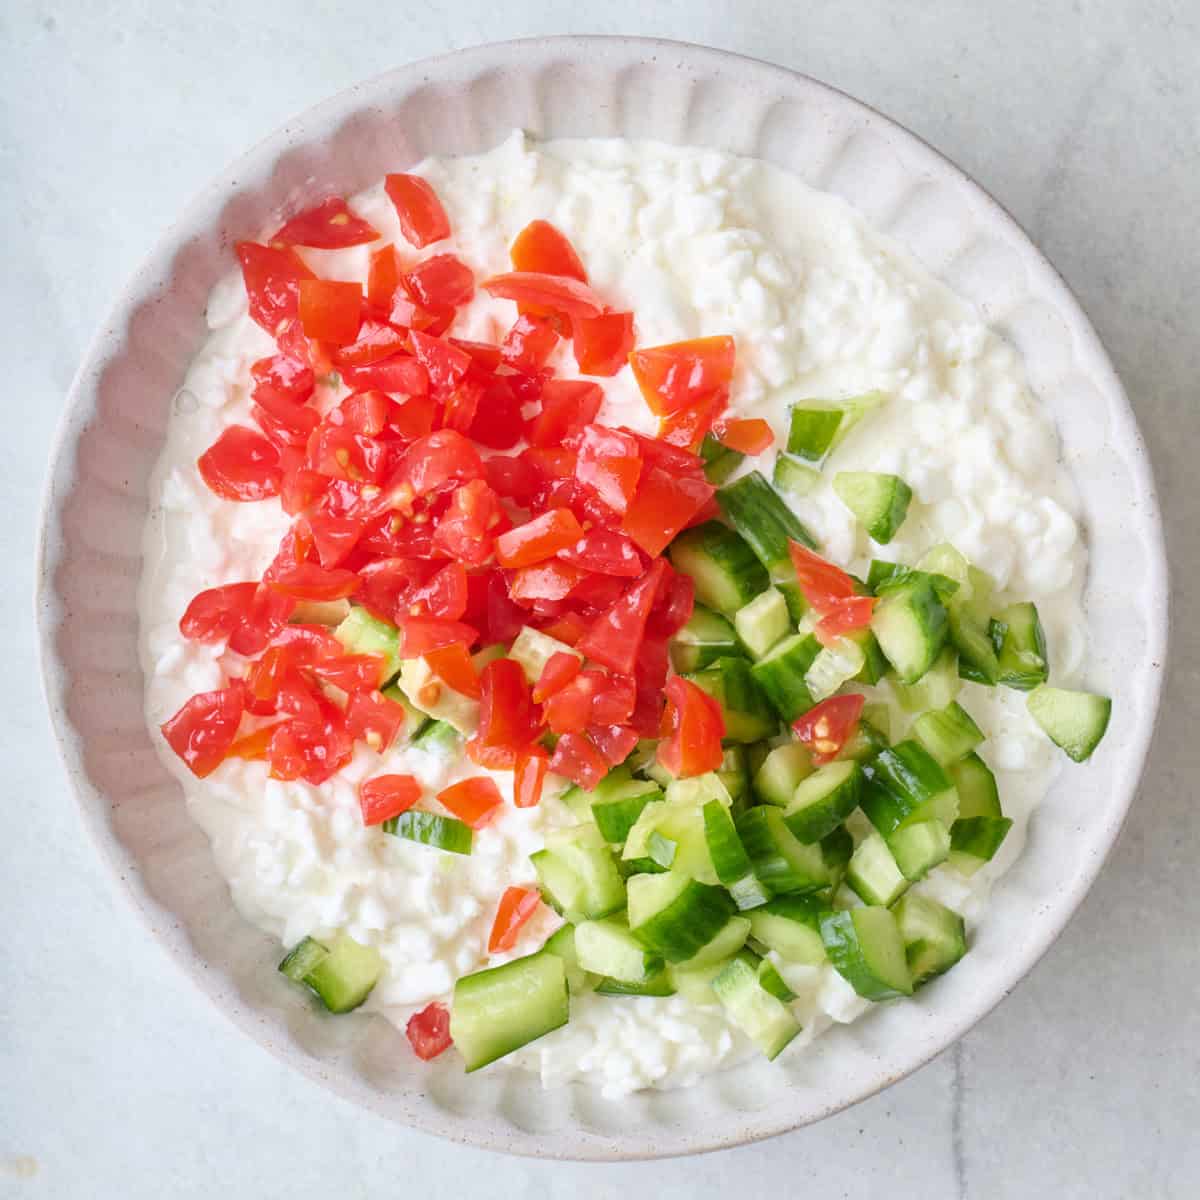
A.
pixel 330 311
pixel 576 759
pixel 827 727
pixel 272 279
pixel 615 742
pixel 413 419
pixel 567 405
pixel 443 596
pixel 559 293
pixel 387 796
pixel 329 225
pixel 442 281
pixel 539 539
pixel 308 581
pixel 568 709
pixel 312 750
pixel 844 616
pixel 453 666
pixel 559 670
pixel 528 344
pixel 506 715
pixel 549 580
pixel 253 746
pixel 374 341
pixel 686 427
pixel 750 435
pixel 204 729
pixel 468 527
pixel 422 218
pixel 475 800
pixel 290 377
pixel 676 376
pixel 241 465
pixel 532 766
pixel 605 552
pixel 693 744
pixel 497 419
pixel 664 505
pixel 284 421
pixel 215 613
pixel 383 277
pixel 516 906
pixel 609 461
pixel 420 635
pixel 614 699
pixel 615 637
pixel 428 1031
pixel 351 672
pixel 542 249
pixel 650 675
pixel 602 344
pixel 824 585
pixel 398 375
pixel 504 618
pixel 673 606
pixel 445 362
pixel 444 457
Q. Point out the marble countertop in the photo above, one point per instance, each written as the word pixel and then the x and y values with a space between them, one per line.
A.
pixel 118 1080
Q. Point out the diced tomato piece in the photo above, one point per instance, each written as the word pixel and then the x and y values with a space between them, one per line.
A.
pixel 444 596
pixel 336 451
pixel 422 218
pixel 420 635
pixel 443 458
pixel 443 281
pixel 252 747
pixel 374 719
pixel 306 644
pixel 559 670
pixel 650 674
pixel 330 311
pixel 615 637
pixel 428 1031
pixel 677 375
pixel 497 420
pixel 577 759
pixel 615 742
pixel 334 537
pixel 516 906
pixel 265 678
pixel 204 729
pixel 288 376
pixel 241 465
pixel 664 504
pixel 367 412
pixel 460 406
pixel 351 672
pixel 272 277
pixel 513 476
pixel 610 462
pixel 550 580
pixel 504 618
pixel 414 418
pixel 383 277
pixel 673 606
pixel 312 751
pixel 474 800
pixel 387 796
pixel 329 225
pixel 559 293
pixel 542 249
pixel 387 583
pixel 528 344
pixel 399 375
pixel 824 585
pixel 506 715
pixel 597 592
pixel 602 344
pixel 485 354
pixel 569 708
pixel 468 527
pixel 551 462
pixel 605 552
pixel 844 616
pixel 696 727
pixel 375 341
pixel 284 421
pixel 539 539
pixel 750 435
pixel 308 581
pixel 568 628
pixel 530 775
pixel 445 362
pixel 214 614
pixel 686 427
pixel 453 666
pixel 567 405
pixel 614 699
pixel 826 728
pixel 495 758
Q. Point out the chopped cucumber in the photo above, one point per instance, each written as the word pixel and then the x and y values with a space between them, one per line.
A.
pixel 577 874
pixel 782 772
pixel 811 430
pixel 981 827
pixel 500 1009
pixel 762 1017
pixel 661 851
pixel 432 829
pixel 562 943
pixel 978 795
pixel 734 773
pixel 782 674
pixel 909 786
pixel 729 858
pixel 949 734
pixel 763 622
pixel 706 637
pixel 414 719
pixel 879 502
pixel 781 861
pixel 911 627
pixel 872 872
pixel 430 695
pixel 970 629
pixel 875 664
pixel 361 633
pixel 934 936
pixel 725 570
pixel 884 577
pixel 606 947
pixel 791 926
pixel 1073 721
pixel 719 461
pixel 773 982
pixel 617 802
pixel 793 477
pixel 675 916
pixel 729 939
pixel 864 743
pixel 342 976
pixel 1022 657
pixel 319 612
pixel 764 520
pixel 534 649
pixel 834 666
pixel 919 848
pixel 824 800
pixel 302 958
pixel 935 689
pixel 745 709
pixel 695 983
pixel 866 949
pixel 659 984
pixel 438 737
pixel 836 849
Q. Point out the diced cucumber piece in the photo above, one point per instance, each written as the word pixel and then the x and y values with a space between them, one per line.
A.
pixel 675 916
pixel 910 624
pixel 719 461
pixel 430 695
pixel 763 622
pixel 978 795
pixel 725 570
pixel 981 826
pixel 811 430
pixel 302 958
pixel 780 860
pixel 884 577
pixel 697 790
pixel 782 772
pixel 534 649
pixel 500 1009
pixel 659 984
pixel 782 674
pixel 879 502
pixel 729 858
pixel 836 849
pixel 1023 661
pixel 488 654
pixel 919 848
pixel 834 665
pixel 872 872
pixel 864 743
pixel 706 637
pixel 1073 721
pixel 729 939
pixel 414 719
pixel 771 981
pixel 969 617
pixel 949 733
pixel 909 786
pixel 361 633
pixel 440 738
pixel 662 851
pixel 791 926
pixel 578 803
pixel 866 949
pixel 935 689
pixel 618 801
pixel 824 800
pixel 762 1017
pixel 432 829
pixel 763 519
pixel 934 936
pixel 732 683
pixel 578 875
pixel 606 947
pixel 562 943
pixel 694 984
pixel 875 664
pixel 944 559
pixel 734 773
pixel 794 477
pixel 342 978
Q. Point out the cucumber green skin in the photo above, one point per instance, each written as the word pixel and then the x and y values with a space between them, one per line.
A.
pixel 872 873
pixel 500 1009
pixel 562 943
pixel 757 511
pixel 346 976
pixel 911 625
pixel 978 795
pixel 793 477
pixel 811 431
pixel 606 948
pixel 731 683
pixel 884 577
pixel 879 502
pixel 659 984
pixel 846 941
pixel 864 743
pixel 839 785
pixel 302 958
pixel 616 812
pixel 977 659
pixel 361 633
pixel 781 862
pixel 719 461
pixel 875 664
pixel 706 637
pixel 770 980
pixel 763 622
pixel 910 773
pixel 1073 721
pixel 432 829
pixel 438 737
pixel 734 773
pixel 725 570
pixel 781 675
pixel 764 1018
pixel 934 936
pixel 784 768
pixel 948 734
pixel 1022 656
pixel 730 860
pixel 688 923
pixel 919 848
pixel 975 840
pixel 837 848
pixel 791 926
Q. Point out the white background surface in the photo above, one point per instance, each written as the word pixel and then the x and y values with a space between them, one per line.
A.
pixel 117 1081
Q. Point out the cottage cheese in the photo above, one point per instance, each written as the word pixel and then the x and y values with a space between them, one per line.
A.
pixel 695 243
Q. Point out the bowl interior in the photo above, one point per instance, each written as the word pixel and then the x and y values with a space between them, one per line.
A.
pixel 97 498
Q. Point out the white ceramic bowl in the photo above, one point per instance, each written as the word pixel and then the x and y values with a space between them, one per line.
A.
pixel 96 504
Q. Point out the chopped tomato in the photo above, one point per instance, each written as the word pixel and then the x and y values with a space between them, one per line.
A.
pixel 844 616
pixel 329 225
pixel 614 698
pixel 422 218
pixel 310 750
pixel 577 759
pixel 650 675
pixel 504 618
pixel 444 595
pixel 823 584
pixel 428 1031
pixel 444 361
pixel 204 729
pixel 530 775
pixel 686 427
pixel 513 476
pixel 497 420
pixel 568 709
pixel 375 341
pixel 398 375
pixel 374 719
pixel 602 344
pixel 558 293
pixel 541 249
pixel 692 745
pixel 284 421
pixel 252 747
pixel 216 613
pixel 461 405
pixel 351 672
pixel 550 580
pixel 615 637
pixel 289 376
pixel 308 581
pixel 605 552
pixel 272 278
pixel 516 906
pixel 484 353
pixel 387 796
pixel 826 728
pixel 528 344
pixel 241 465
pixel 443 458
pixel 443 281
pixel 469 525
pixel 420 635
pixel 610 462
pixel 751 435
pixel 453 666
pixel 615 742
pixel 330 311
pixel 506 714
pixel 414 418
pixel 367 413
pixel 674 604
pixel 567 405
pixel 551 462
pixel 676 376
pixel 474 800
pixel 383 277
pixel 539 539
pixel 559 670
pixel 664 504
